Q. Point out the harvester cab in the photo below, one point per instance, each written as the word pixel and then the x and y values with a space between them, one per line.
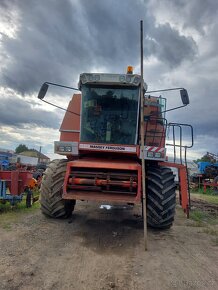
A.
pixel 110 108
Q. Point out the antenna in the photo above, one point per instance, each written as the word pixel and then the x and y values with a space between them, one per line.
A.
pixel 142 134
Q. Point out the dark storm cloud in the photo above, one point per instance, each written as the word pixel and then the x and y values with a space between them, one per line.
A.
pixel 171 47
pixel 17 112
pixel 201 113
pixel 57 40
pixel 196 13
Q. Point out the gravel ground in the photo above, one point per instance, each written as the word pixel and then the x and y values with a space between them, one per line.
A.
pixel 103 249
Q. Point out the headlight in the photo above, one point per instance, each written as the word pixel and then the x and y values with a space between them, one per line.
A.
pixel 157 155
pixel 65 148
pixel 136 80
pixel 122 79
pixel 61 148
pixel 150 154
pixel 128 79
pixel 91 78
pixel 68 148
pixel 97 77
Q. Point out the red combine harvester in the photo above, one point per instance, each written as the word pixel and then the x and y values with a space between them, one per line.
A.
pixel 101 137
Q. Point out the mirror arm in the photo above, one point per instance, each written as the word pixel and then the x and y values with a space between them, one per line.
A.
pixel 56 106
pixel 165 90
pixel 179 107
pixel 183 93
pixel 156 113
pixel 62 86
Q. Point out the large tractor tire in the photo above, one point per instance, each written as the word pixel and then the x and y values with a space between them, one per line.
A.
pixel 161 197
pixel 51 190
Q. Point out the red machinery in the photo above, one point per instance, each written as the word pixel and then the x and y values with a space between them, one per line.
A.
pixel 100 136
pixel 13 184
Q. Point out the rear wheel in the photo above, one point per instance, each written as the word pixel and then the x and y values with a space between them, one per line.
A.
pixel 161 197
pixel 51 191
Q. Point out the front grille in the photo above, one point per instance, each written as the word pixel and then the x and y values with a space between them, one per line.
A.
pixel 103 180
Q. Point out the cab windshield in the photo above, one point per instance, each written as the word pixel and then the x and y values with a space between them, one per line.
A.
pixel 109 115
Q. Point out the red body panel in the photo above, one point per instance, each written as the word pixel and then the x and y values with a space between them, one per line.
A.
pixel 182 171
pixel 70 126
pixel 16 180
pixel 102 165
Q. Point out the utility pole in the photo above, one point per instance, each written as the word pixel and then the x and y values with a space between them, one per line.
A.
pixel 142 134
pixel 39 155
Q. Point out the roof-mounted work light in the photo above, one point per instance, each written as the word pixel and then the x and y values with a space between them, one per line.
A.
pixel 130 69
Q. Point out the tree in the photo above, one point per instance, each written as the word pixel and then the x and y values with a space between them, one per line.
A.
pixel 21 148
pixel 206 158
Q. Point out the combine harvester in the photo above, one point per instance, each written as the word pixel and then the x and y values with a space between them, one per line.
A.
pixel 113 135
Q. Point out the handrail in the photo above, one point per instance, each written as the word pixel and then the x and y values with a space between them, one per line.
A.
pixel 181 146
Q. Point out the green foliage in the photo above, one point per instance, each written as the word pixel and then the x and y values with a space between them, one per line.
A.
pixel 198 215
pixel 209 196
pixel 205 158
pixel 209 191
pixel 203 218
pixel 21 148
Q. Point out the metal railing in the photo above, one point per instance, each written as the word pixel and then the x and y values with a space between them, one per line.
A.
pixel 155 131
pixel 182 148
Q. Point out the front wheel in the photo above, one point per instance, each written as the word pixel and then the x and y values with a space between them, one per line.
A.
pixel 161 197
pixel 51 191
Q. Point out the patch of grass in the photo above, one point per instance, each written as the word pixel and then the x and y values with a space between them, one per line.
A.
pixel 18 208
pixel 209 198
pixel 209 191
pixel 201 218
pixel 11 214
pixel 198 215
pixel 6 226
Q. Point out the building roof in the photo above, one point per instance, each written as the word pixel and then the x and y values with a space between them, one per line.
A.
pixel 6 151
pixel 34 153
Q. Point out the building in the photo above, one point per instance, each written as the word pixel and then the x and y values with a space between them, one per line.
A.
pixel 40 157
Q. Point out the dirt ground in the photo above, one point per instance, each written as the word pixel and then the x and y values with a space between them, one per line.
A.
pixel 103 249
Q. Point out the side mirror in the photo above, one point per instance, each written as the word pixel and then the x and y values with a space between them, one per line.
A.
pixel 184 96
pixel 43 91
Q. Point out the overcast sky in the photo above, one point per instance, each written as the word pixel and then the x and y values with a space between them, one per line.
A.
pixel 57 40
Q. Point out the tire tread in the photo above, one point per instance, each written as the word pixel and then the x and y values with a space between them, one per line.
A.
pixel 52 204
pixel 161 197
